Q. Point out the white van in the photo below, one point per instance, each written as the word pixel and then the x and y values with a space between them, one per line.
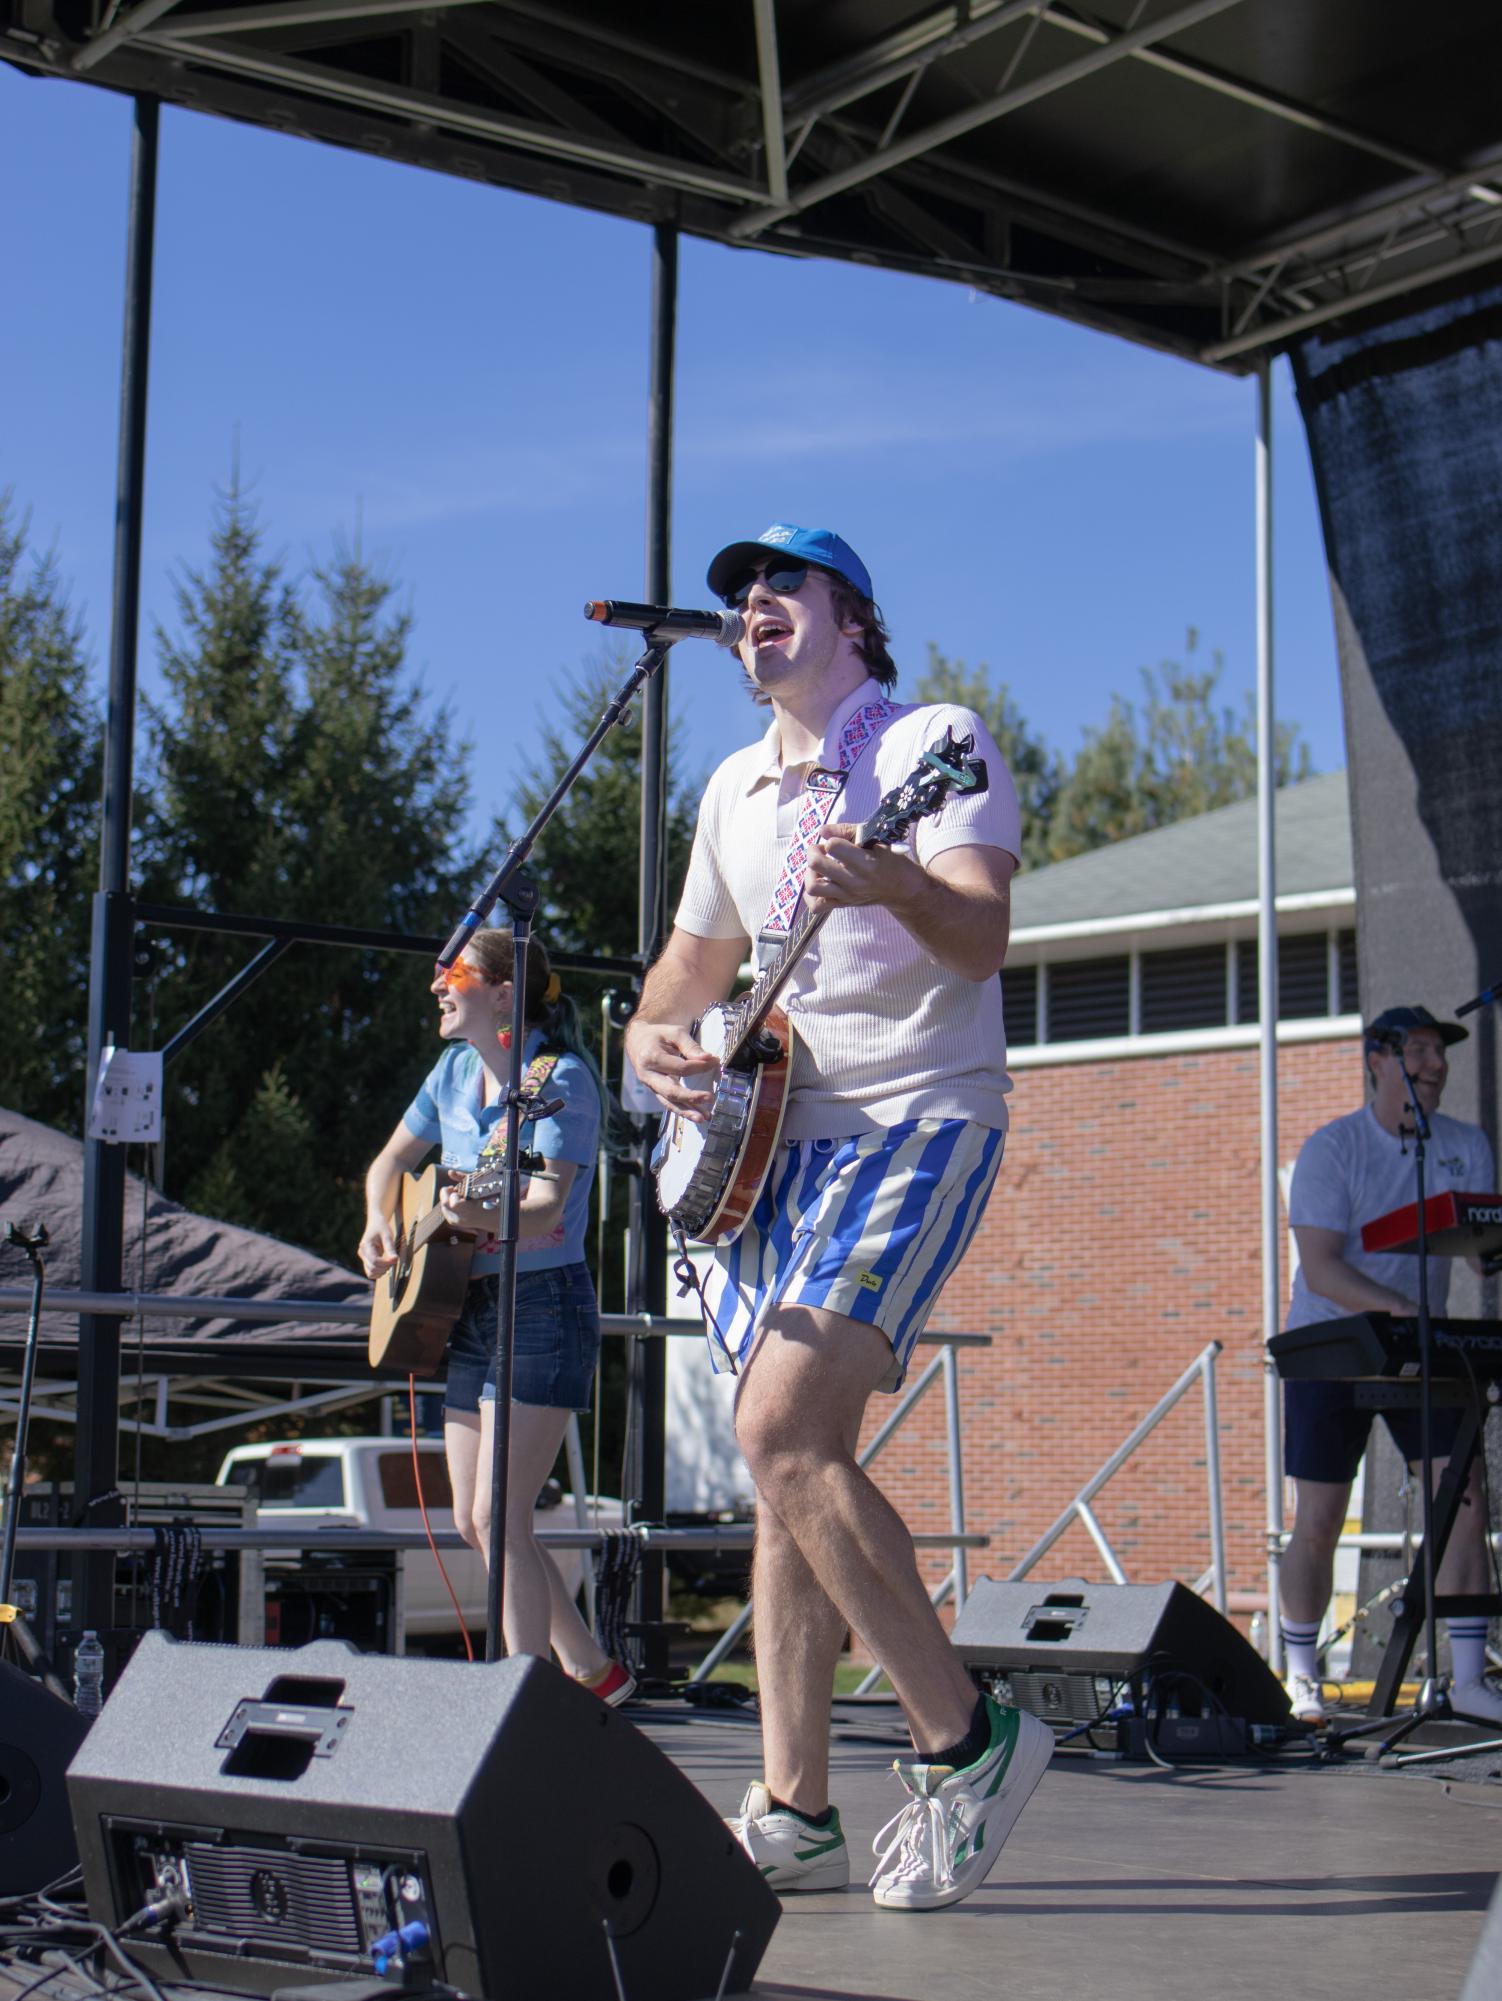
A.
pixel 372 1483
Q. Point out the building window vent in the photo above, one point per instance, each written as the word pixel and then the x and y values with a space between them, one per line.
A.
pixel 1185 989
pixel 1088 998
pixel 1303 977
pixel 1019 1003
pixel 1345 943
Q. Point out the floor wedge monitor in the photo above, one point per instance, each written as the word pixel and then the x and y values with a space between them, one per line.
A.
pixel 1124 1666
pixel 304 1815
pixel 39 1732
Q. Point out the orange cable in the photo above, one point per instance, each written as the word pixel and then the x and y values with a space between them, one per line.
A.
pixel 469 1652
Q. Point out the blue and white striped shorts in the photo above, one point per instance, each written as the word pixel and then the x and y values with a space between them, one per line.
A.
pixel 870 1227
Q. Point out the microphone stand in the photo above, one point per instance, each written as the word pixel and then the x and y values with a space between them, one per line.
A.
pixel 1433 1696
pixel 33 1244
pixel 1433 1704
pixel 1484 999
pixel 514 885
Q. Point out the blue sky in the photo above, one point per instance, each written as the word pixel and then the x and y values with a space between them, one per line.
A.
pixel 461 374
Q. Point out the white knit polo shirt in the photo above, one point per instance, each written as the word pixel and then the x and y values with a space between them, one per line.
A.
pixel 884 1033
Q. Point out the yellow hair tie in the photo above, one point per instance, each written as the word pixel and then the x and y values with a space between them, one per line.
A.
pixel 552 993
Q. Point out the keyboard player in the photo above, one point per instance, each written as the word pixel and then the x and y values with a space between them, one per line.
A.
pixel 1349 1172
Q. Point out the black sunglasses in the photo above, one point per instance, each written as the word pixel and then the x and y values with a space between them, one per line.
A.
pixel 785 577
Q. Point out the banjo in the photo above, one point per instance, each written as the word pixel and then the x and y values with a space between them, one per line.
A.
pixel 710 1176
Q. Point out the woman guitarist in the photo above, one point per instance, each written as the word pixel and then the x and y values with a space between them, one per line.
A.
pixel 557 1338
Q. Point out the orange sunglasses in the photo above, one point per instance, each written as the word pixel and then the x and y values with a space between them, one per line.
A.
pixel 461 976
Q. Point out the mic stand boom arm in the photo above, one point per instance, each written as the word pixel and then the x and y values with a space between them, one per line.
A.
pixel 513 885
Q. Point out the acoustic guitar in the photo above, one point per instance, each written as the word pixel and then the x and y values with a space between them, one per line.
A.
pixel 709 1176
pixel 419 1298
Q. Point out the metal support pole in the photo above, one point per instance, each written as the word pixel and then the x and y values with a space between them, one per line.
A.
pixel 956 1476
pixel 1267 996
pixel 97 1450
pixel 647 1360
pixel 1212 1478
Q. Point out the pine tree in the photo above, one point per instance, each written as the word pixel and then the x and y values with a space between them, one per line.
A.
pixel 1036 770
pixel 301 773
pixel 51 741
pixel 587 859
pixel 1186 756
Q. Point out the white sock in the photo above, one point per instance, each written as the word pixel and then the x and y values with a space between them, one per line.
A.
pixel 1467 1649
pixel 1300 1647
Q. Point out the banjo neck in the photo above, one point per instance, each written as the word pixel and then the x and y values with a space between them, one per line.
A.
pixel 944 766
pixel 753 1007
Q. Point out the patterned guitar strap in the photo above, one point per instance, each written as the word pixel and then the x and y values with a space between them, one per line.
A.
pixel 534 1077
pixel 821 789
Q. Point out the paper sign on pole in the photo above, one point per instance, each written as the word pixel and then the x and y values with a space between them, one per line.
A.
pixel 127 1104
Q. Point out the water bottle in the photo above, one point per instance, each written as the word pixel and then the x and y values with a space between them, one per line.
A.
pixel 88 1675
pixel 1258 1633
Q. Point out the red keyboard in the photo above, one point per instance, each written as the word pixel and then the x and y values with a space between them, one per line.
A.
pixel 1457 1226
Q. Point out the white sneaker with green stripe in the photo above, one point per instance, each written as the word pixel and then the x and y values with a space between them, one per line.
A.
pixel 943 1843
pixel 790 1851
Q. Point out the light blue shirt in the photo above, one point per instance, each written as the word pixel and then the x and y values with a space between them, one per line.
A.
pixel 449 1113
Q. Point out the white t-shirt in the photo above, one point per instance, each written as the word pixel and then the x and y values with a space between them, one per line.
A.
pixel 884 1033
pixel 1354 1170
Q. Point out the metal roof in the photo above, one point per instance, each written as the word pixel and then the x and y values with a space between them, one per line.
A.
pixel 1211 177
pixel 1200 864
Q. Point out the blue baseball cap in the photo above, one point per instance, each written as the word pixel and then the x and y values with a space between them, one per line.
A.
pixel 805 545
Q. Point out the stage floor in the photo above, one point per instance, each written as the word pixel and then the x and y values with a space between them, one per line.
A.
pixel 1127 1883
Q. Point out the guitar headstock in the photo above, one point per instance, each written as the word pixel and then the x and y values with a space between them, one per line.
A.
pixel 945 767
pixel 487 1182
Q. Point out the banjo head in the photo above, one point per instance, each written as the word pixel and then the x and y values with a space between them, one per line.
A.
pixel 679 1152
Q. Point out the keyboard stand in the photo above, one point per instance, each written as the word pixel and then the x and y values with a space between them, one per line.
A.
pixel 1409 1623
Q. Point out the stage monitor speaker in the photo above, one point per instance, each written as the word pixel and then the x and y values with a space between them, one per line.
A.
pixel 39 1732
pixel 1064 1652
pixel 318 1813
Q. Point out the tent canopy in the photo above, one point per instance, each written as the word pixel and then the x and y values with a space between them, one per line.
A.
pixel 168 1249
pixel 1208 176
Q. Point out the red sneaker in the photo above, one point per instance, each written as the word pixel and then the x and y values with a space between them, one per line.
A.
pixel 614 1685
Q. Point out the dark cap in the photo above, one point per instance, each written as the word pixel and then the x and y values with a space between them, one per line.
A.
pixel 1402 1020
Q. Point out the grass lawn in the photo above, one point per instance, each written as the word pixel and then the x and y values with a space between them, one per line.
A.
pixel 847 1676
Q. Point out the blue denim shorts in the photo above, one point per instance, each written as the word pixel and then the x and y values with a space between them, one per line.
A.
pixel 556 1346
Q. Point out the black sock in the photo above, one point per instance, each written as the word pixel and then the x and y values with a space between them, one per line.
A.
pixel 972 1746
pixel 812 1819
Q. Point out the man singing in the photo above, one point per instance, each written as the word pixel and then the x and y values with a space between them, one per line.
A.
pixel 894 1132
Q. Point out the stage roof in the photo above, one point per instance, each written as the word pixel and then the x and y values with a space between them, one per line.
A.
pixel 1211 178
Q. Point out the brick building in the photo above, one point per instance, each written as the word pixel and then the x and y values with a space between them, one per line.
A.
pixel 1124 1234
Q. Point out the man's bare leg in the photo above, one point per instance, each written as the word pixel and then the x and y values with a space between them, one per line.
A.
pixel 798 1637
pixel 798 1412
pixel 1307 1571
pixel 1466 1569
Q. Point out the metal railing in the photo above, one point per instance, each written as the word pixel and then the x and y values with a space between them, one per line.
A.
pixel 1202 1370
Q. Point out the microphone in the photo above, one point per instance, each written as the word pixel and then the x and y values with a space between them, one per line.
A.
pixel 661 622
